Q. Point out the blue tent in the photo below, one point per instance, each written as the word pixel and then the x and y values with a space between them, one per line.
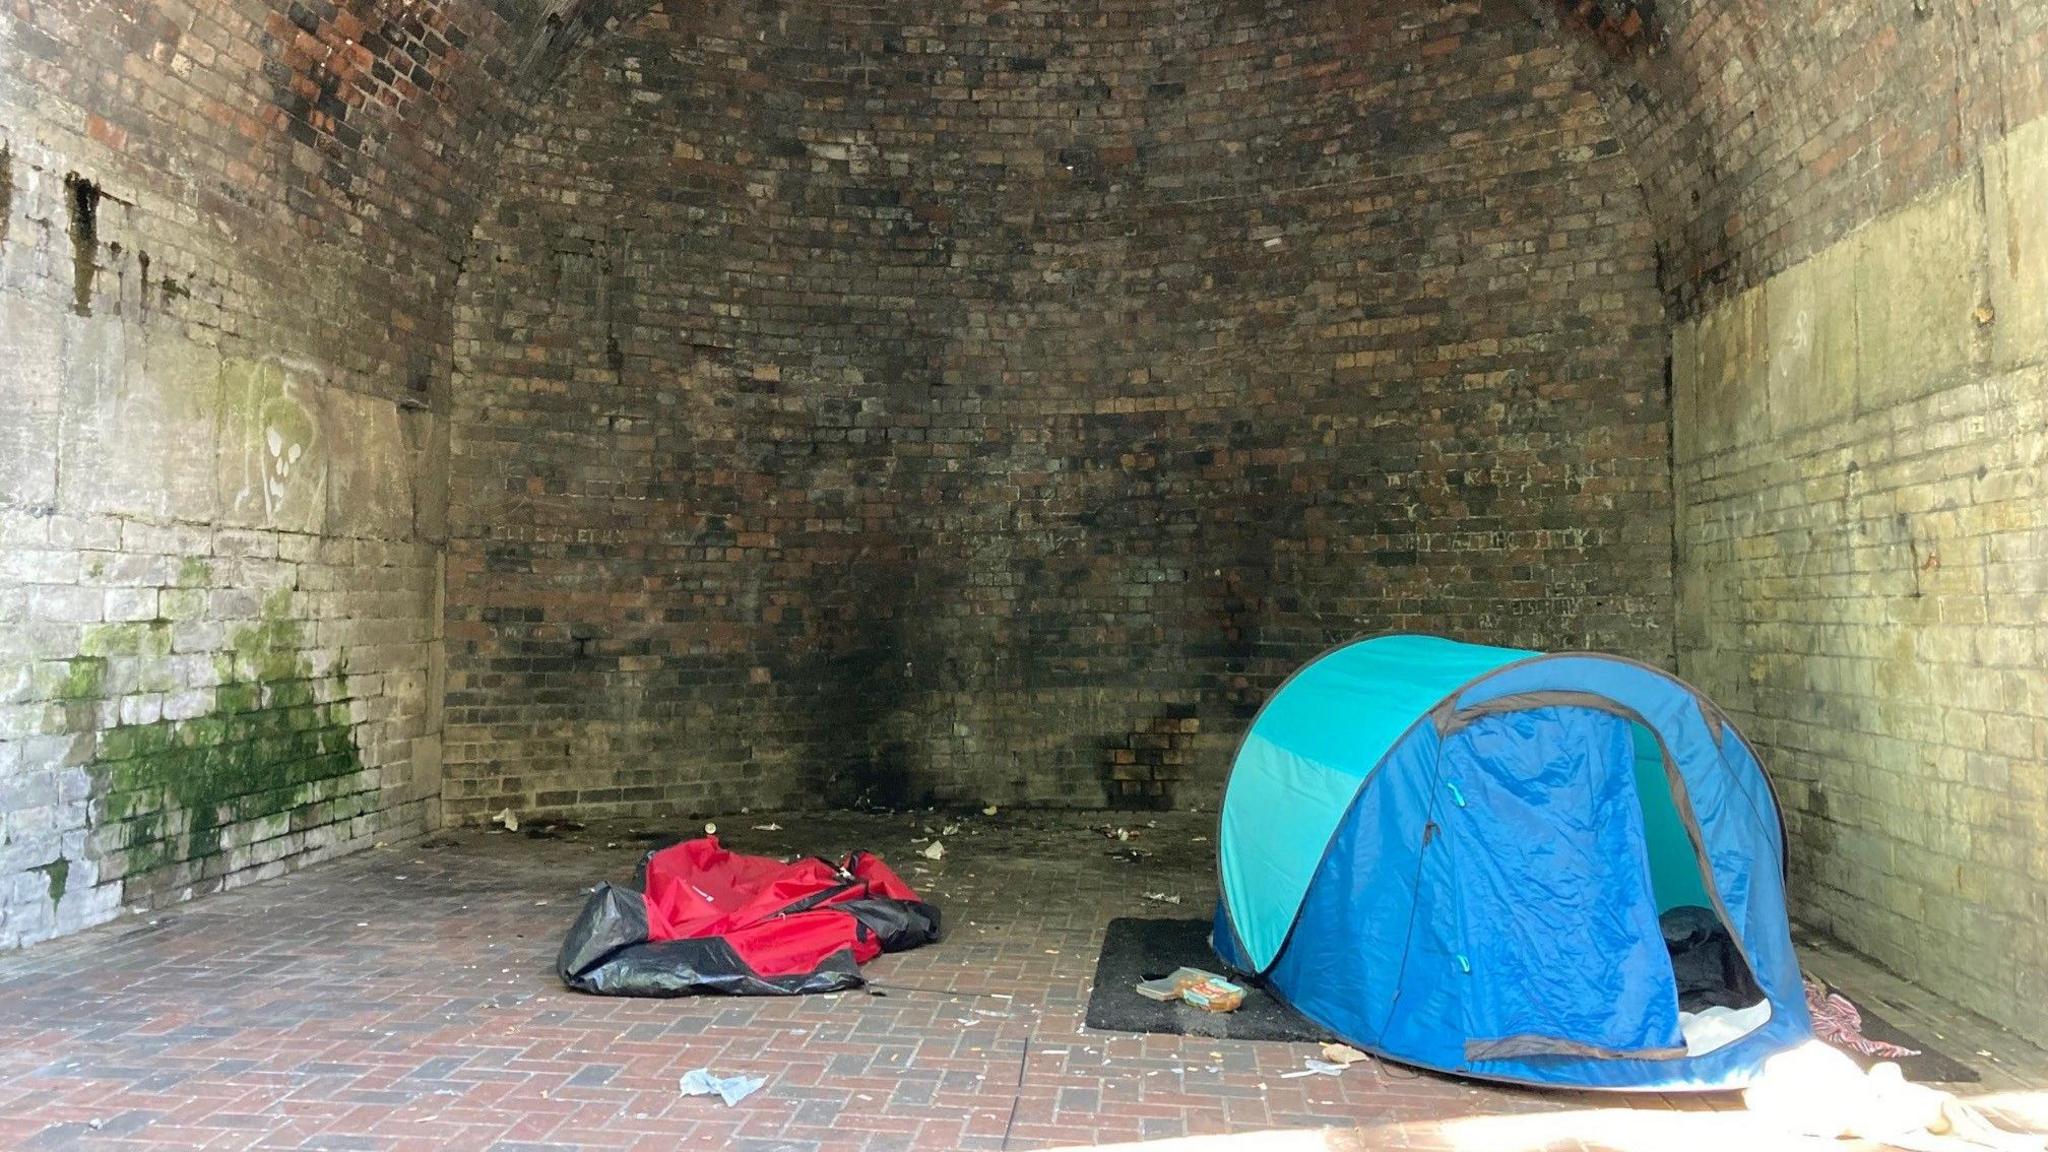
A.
pixel 1457 856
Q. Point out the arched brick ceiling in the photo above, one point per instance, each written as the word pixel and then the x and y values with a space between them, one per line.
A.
pixel 339 146
pixel 1762 130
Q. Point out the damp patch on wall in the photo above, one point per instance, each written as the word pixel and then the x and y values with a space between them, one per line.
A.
pixel 83 196
pixel 277 740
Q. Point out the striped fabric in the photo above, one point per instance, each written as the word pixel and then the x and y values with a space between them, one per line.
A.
pixel 1837 1021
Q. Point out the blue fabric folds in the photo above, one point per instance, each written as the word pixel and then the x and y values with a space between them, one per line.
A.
pixel 1484 897
pixel 1542 867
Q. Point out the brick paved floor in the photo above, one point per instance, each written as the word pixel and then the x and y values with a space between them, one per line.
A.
pixel 404 998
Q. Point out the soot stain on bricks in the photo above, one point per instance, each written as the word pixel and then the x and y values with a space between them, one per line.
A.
pixel 955 471
pixel 84 196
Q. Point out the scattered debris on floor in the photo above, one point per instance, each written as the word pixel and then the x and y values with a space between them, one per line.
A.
pixel 989 811
pixel 1343 1055
pixel 1127 855
pixel 771 826
pixel 1161 898
pixel 934 851
pixel 1314 1067
pixel 551 829
pixel 1043 884
pixel 507 819
pixel 731 1089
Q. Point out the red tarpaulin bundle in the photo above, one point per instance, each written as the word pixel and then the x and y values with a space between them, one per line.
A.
pixel 710 920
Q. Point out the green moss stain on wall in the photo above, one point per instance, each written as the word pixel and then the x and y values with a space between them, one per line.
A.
pixel 269 745
pixel 151 638
pixel 76 679
pixel 58 873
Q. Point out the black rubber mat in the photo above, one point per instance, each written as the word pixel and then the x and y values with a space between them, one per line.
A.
pixel 1137 949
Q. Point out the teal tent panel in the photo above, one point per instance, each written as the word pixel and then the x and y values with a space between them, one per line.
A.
pixel 1674 869
pixel 1278 817
pixel 1310 749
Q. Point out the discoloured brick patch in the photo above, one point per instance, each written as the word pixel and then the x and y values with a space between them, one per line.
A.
pixel 874 407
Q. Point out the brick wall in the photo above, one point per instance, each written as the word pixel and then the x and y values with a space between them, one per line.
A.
pixel 227 238
pixel 1864 567
pixel 891 404
pixel 1849 232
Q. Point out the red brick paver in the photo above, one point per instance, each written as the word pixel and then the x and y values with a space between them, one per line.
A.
pixel 405 999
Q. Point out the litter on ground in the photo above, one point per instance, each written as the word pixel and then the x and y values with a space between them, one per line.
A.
pixel 1342 1055
pixel 1314 1067
pixel 1203 989
pixel 731 1089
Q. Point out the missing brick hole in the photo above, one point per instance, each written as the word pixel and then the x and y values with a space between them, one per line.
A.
pixel 1623 29
pixel 85 239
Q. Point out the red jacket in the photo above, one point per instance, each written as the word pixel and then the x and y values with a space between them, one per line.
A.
pixel 710 920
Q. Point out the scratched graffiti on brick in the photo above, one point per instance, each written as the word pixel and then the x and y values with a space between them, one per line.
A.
pixel 273 446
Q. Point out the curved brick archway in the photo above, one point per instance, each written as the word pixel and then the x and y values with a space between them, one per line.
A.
pixel 1762 132
pixel 245 246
